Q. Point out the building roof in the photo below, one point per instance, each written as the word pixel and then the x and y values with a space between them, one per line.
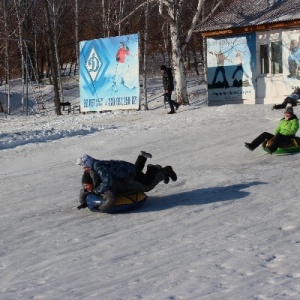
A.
pixel 243 13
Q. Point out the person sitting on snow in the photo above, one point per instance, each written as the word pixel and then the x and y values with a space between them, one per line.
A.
pixel 286 129
pixel 292 100
pixel 111 177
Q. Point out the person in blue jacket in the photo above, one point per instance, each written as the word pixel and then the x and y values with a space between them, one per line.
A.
pixel 111 177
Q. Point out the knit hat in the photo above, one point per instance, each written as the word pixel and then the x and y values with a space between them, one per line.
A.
pixel 86 178
pixel 289 110
pixel 163 67
pixel 85 161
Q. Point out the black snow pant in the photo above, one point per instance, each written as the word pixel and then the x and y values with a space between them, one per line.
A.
pixel 285 102
pixel 171 102
pixel 277 141
pixel 151 173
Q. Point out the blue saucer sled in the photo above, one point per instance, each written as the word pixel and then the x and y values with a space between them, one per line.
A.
pixel 292 147
pixel 124 203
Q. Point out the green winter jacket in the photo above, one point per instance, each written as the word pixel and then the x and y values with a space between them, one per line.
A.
pixel 288 127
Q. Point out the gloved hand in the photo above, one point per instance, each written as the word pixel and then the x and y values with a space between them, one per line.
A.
pixel 81 206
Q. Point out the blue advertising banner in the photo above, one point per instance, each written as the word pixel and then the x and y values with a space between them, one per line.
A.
pixel 291 57
pixel 230 66
pixel 109 73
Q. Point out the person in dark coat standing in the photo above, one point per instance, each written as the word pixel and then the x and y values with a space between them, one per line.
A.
pixel 168 83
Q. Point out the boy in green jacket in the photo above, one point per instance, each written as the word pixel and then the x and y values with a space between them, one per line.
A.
pixel 286 129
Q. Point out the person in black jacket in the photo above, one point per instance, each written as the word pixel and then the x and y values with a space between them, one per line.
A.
pixel 168 83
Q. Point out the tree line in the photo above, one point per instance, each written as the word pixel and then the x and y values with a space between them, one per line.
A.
pixel 40 38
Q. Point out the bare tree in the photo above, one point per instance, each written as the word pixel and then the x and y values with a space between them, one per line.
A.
pixel 180 33
pixel 76 35
pixel 21 11
pixel 6 53
pixel 55 42
pixel 145 104
pixel 55 11
pixel 171 11
pixel 53 60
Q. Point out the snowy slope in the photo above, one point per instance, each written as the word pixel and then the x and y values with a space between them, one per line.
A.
pixel 227 229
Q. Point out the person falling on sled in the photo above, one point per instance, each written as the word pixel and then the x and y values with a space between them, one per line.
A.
pixel 286 129
pixel 111 177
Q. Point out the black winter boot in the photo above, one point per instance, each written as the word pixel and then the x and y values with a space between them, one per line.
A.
pixel 170 172
pixel 167 178
pixel 146 154
pixel 248 145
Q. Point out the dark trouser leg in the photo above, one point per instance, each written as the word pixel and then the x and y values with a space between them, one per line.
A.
pixel 292 101
pixel 140 163
pixel 278 140
pixel 279 106
pixel 222 69
pixel 282 105
pixel 216 74
pixel 171 102
pixel 149 176
pixel 133 185
pixel 285 102
pixel 140 176
pixel 260 139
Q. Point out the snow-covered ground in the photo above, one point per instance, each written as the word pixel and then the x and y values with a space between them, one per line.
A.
pixel 227 229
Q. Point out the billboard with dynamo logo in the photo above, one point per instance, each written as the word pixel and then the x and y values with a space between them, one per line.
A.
pixel 109 73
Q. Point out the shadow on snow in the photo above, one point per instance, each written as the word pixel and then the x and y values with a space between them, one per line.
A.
pixel 198 197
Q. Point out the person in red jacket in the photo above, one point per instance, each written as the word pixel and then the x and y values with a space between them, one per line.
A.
pixel 122 75
pixel 121 53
